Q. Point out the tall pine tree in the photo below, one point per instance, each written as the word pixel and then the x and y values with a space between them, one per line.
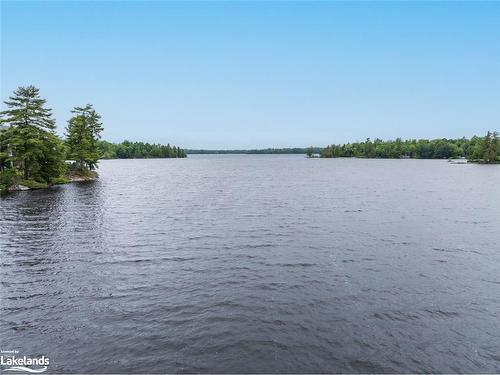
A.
pixel 83 132
pixel 33 147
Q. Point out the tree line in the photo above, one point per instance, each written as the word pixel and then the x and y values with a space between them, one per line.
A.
pixel 138 150
pixel 480 149
pixel 294 150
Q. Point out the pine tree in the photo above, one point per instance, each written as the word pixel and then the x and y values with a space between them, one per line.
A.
pixel 83 132
pixel 492 151
pixel 30 135
pixel 487 148
pixel 27 109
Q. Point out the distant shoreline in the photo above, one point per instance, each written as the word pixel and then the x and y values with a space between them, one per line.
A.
pixel 267 151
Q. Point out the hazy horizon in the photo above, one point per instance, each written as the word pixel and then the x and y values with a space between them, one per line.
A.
pixel 247 75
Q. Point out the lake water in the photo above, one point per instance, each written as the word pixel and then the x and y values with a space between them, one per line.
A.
pixel 265 263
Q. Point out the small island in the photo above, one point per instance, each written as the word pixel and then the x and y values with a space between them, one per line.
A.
pixel 33 156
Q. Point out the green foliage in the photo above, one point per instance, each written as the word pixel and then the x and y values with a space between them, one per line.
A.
pixel 28 142
pixel 8 178
pixel 310 152
pixel 59 180
pixel 51 164
pixel 26 109
pixel 486 149
pixel 83 132
pixel 33 184
pixel 138 150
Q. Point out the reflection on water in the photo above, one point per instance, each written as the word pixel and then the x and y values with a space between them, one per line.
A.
pixel 257 264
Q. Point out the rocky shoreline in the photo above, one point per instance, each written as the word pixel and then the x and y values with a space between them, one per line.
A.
pixel 33 185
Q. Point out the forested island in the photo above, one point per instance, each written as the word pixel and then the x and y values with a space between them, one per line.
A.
pixel 33 156
pixel 477 149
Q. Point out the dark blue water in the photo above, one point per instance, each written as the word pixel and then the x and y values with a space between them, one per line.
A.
pixel 257 264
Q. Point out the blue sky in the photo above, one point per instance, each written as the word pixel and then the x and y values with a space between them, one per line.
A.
pixel 260 74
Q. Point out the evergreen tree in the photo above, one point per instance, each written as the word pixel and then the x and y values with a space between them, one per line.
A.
pixel 5 148
pixel 52 162
pixel 29 143
pixel 485 147
pixel 490 147
pixel 26 108
pixel 83 132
